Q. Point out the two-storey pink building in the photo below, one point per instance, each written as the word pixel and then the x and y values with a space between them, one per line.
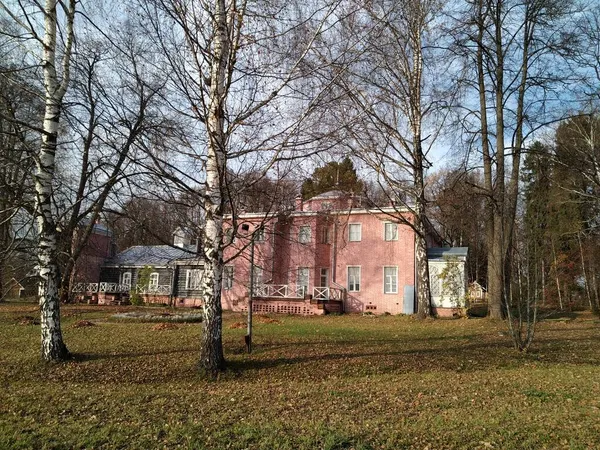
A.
pixel 329 254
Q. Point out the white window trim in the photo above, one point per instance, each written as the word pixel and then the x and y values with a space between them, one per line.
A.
pixel 359 278
pixel 326 276
pixel 309 234
pixel 307 276
pixel 385 281
pixel 385 224
pixel 123 278
pixel 155 275
pixel 359 232
pixel 188 277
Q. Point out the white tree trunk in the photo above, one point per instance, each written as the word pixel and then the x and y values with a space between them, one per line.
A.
pixel 211 351
pixel 53 347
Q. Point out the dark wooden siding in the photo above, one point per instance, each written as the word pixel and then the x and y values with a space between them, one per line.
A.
pixel 113 274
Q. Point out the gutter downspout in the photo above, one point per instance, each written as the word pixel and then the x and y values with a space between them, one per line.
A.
pixel 174 276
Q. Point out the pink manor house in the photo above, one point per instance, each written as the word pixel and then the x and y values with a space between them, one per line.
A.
pixel 330 254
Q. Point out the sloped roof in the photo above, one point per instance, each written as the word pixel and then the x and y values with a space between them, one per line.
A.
pixel 447 252
pixel 151 255
pixel 330 194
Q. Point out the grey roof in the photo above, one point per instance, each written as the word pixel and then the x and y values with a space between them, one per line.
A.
pixel 447 252
pixel 152 255
pixel 330 194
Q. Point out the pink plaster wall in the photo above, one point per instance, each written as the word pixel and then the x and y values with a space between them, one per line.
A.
pixel 281 255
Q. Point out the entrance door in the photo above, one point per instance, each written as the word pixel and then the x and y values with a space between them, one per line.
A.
pixel 324 277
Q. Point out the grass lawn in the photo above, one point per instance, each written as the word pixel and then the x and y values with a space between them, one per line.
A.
pixel 319 382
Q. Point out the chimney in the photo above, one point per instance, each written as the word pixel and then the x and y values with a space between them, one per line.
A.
pixel 181 238
pixel 299 203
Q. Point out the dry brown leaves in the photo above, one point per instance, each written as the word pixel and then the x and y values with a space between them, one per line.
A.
pixel 164 326
pixel 237 325
pixel 27 320
pixel 266 319
pixel 83 324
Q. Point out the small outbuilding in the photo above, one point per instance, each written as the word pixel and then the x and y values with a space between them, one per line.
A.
pixel 448 280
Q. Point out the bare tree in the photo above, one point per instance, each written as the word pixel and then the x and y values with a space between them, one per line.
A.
pixel 391 88
pixel 510 49
pixel 112 107
pixel 19 104
pixel 235 73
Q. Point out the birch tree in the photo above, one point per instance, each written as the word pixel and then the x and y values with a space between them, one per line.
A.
pixel 51 28
pixel 390 87
pixel 235 69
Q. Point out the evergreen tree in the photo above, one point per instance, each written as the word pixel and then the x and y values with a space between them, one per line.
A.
pixel 334 175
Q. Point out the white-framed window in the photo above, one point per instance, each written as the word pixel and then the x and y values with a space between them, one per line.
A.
pixel 193 279
pixel 259 235
pixel 126 278
pixel 354 232
pixel 390 231
pixel 303 278
pixel 353 278
pixel 229 236
pixel 227 277
pixel 324 277
pixel 390 280
pixel 153 281
pixel 304 234
pixel 257 276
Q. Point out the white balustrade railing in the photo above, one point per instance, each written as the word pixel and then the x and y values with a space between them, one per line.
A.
pixel 270 290
pixel 321 293
pixel 114 287
pixel 279 291
pixel 160 289
pixel 117 288
pixel 328 293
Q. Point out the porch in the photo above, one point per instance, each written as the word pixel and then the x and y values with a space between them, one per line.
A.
pixel 294 299
pixel 106 293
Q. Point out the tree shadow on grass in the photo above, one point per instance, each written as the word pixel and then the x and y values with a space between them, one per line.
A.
pixel 465 358
pixel 84 357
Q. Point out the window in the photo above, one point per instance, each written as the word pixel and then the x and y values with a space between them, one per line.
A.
pixel 259 235
pixel 228 278
pixel 126 279
pixel 390 280
pixel 353 278
pixel 324 277
pixel 324 236
pixel 302 279
pixel 354 232
pixel 304 234
pixel 153 282
pixel 391 231
pixel 193 279
pixel 229 237
pixel 257 275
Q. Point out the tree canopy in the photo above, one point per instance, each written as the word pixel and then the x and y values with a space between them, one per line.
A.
pixel 333 175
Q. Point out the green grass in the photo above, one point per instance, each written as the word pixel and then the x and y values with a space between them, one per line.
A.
pixel 335 382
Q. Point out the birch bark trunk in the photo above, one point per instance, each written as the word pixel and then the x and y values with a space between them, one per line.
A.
pixel 212 359
pixel 53 347
pixel 421 261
